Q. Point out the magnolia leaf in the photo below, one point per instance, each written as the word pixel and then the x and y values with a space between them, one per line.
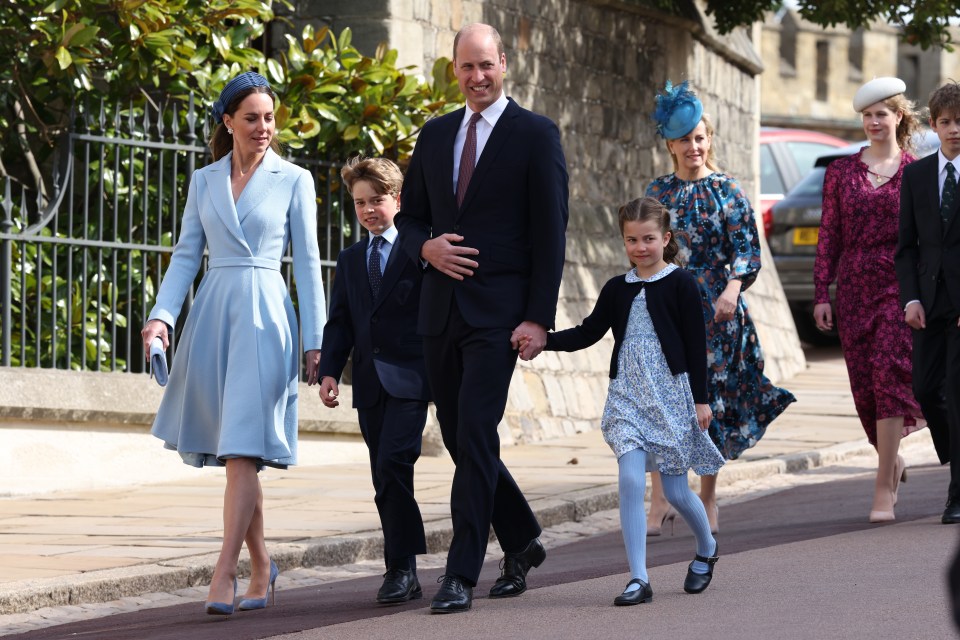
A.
pixel 345 37
pixel 309 126
pixel 275 71
pixel 84 36
pixel 358 86
pixel 69 33
pixel 376 142
pixel 63 57
pixel 308 82
pixel 282 114
pixel 351 132
pixel 328 112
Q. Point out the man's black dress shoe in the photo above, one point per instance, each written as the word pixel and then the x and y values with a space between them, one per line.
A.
pixel 951 515
pixel 697 582
pixel 513 577
pixel 643 594
pixel 454 595
pixel 399 585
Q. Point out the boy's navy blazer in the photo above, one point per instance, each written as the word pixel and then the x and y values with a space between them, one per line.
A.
pixel 926 251
pixel 381 333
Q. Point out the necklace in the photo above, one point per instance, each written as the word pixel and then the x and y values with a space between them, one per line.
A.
pixel 879 176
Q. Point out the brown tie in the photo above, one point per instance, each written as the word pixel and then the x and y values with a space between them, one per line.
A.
pixel 468 159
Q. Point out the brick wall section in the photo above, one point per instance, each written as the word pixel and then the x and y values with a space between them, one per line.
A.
pixel 594 68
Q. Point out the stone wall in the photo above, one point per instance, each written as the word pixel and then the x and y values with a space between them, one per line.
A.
pixel 594 68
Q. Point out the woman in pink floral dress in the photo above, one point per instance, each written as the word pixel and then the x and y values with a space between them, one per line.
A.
pixel 858 239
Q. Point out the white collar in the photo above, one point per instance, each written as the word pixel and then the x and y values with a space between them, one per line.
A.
pixel 491 114
pixel 942 163
pixel 390 234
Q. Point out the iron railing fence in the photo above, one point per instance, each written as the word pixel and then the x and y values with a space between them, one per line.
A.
pixel 79 270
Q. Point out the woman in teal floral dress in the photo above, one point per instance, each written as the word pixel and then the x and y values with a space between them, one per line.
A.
pixel 720 244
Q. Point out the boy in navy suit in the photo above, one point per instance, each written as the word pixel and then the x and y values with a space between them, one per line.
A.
pixel 928 271
pixel 373 312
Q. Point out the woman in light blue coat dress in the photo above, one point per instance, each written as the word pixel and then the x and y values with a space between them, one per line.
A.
pixel 231 399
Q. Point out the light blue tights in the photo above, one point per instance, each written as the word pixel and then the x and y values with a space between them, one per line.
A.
pixel 633 518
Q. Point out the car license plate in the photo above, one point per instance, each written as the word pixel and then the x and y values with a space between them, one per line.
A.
pixel 805 235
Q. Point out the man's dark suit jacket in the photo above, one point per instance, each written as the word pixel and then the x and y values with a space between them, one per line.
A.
pixel 926 251
pixel 382 334
pixel 514 213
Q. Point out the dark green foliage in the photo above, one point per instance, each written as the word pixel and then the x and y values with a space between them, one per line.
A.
pixel 81 306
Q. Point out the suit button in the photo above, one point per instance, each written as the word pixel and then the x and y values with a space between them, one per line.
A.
pixel 456 227
pixel 376 349
pixel 374 319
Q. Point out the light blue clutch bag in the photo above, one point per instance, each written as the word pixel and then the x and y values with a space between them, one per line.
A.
pixel 158 362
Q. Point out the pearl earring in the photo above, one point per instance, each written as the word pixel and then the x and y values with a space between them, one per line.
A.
pixel 230 131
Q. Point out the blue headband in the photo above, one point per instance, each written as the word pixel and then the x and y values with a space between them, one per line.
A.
pixel 678 111
pixel 242 82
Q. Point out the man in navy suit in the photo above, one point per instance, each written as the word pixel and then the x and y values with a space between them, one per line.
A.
pixel 485 208
pixel 373 312
pixel 928 271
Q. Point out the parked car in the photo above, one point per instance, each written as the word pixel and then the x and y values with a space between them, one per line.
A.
pixel 796 227
pixel 786 156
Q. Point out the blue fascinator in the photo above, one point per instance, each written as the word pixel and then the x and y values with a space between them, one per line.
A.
pixel 240 83
pixel 678 111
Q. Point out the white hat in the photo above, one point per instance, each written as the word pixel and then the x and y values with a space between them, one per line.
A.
pixel 876 90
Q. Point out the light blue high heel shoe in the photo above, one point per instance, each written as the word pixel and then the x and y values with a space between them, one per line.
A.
pixel 223 608
pixel 248 604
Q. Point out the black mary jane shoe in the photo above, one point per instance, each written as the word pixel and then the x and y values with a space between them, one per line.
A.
pixel 697 582
pixel 627 598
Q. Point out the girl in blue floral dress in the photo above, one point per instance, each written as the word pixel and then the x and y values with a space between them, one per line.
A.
pixel 720 246
pixel 656 412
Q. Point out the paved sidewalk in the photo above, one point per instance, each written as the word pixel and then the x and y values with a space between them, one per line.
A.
pixel 95 546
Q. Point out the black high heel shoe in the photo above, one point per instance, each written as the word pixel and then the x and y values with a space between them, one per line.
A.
pixel 643 594
pixel 697 582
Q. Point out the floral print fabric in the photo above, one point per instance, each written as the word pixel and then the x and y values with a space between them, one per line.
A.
pixel 857 243
pixel 718 238
pixel 648 407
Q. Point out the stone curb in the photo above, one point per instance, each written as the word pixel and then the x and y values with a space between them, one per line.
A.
pixel 181 573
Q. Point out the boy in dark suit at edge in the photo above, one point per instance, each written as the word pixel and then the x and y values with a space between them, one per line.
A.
pixel 373 313
pixel 928 272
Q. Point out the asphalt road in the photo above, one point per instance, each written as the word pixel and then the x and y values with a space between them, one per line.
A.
pixel 799 563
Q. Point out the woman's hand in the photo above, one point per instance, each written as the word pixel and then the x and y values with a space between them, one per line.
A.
pixel 313 365
pixel 154 329
pixel 823 316
pixel 726 305
pixel 704 416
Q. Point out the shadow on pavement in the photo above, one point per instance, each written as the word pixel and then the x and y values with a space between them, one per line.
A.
pixel 801 513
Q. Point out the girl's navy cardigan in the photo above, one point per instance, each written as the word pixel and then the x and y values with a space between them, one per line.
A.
pixel 676 310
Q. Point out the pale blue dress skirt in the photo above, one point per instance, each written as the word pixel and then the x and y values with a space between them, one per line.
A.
pixel 233 384
pixel 651 409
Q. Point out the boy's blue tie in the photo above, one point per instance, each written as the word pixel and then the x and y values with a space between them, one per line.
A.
pixel 373 267
pixel 949 196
